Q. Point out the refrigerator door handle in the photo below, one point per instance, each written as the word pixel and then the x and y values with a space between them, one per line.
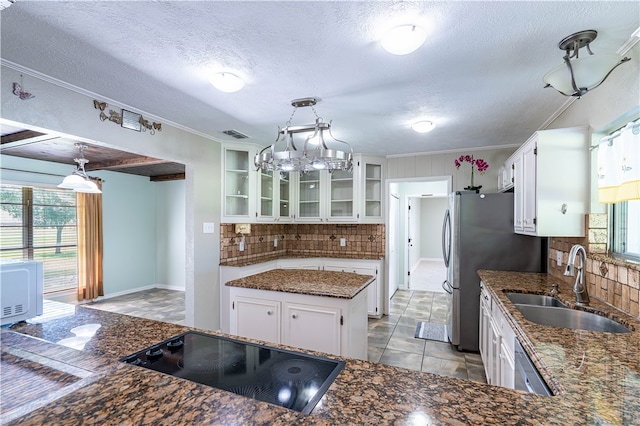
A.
pixel 446 238
pixel 446 286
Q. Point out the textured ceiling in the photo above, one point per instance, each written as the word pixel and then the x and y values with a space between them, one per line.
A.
pixel 478 76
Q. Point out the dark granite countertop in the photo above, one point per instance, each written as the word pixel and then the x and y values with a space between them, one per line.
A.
pixel 600 388
pixel 343 285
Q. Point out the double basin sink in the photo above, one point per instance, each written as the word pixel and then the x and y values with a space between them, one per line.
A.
pixel 546 310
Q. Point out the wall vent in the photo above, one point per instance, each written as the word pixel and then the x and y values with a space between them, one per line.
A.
pixel 235 134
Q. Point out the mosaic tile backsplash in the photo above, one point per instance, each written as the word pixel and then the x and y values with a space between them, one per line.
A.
pixel 317 240
pixel 610 280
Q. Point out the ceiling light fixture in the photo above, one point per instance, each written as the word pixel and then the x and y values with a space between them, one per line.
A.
pixel 312 153
pixel 226 82
pixel 78 180
pixel 403 39
pixel 423 126
pixel 578 75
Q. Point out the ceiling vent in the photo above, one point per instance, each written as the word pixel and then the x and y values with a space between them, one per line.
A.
pixel 235 134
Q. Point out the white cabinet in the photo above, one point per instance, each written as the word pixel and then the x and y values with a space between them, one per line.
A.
pixel 362 267
pixel 325 321
pixel 506 175
pixel 238 204
pixel 326 197
pixel 496 342
pixel 371 184
pixel 256 318
pixel 551 183
pixel 274 196
pixel 326 324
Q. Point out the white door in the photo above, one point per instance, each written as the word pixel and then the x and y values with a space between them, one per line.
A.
pixel 413 233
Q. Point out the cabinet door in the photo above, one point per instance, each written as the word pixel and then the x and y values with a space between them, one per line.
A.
pixel 372 182
pixel 341 196
pixel 266 202
pixel 373 308
pixel 529 186
pixel 518 194
pixel 507 367
pixel 239 180
pixel 285 197
pixel 493 378
pixel 484 332
pixel 300 319
pixel 256 319
pixel 309 196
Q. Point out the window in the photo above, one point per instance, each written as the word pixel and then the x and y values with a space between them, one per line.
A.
pixel 625 227
pixel 40 224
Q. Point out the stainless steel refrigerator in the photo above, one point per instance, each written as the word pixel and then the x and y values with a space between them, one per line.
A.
pixel 477 233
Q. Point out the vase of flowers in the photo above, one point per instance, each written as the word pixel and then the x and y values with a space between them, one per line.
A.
pixel 476 163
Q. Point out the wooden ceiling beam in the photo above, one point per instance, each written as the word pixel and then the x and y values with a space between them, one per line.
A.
pixel 118 164
pixel 25 137
pixel 164 178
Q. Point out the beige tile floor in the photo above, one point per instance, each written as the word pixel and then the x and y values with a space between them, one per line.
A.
pixel 391 338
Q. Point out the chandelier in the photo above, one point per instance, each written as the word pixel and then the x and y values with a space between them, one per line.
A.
pixel 310 152
pixel 78 180
pixel 578 75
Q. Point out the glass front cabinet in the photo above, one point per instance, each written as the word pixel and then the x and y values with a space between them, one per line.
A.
pixel 326 196
pixel 371 208
pixel 275 194
pixel 239 186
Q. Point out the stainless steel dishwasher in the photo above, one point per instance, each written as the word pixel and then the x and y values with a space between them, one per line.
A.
pixel 527 376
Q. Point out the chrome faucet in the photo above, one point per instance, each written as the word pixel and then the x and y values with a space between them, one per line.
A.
pixel 579 288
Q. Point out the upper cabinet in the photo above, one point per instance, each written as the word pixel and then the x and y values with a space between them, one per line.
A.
pixel 317 196
pixel 551 183
pixel 371 208
pixel 326 197
pixel 239 184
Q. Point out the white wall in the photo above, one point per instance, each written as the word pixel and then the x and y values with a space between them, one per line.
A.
pixel 70 112
pixel 432 214
pixel 170 239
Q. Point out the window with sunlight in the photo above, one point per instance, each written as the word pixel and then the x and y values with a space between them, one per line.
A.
pixel 40 224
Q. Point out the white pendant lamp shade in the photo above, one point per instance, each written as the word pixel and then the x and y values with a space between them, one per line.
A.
pixel 72 181
pixel 403 39
pixel 226 82
pixel 589 72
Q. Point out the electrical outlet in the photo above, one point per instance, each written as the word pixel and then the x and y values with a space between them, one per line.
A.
pixel 208 228
pixel 559 258
pixel 343 242
pixel 241 246
pixel 275 242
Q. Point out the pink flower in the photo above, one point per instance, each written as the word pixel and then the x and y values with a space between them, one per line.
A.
pixel 478 163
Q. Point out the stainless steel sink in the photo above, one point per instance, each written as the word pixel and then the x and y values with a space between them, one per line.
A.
pixel 534 299
pixel 570 318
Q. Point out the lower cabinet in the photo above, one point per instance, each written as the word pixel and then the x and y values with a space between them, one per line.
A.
pixel 496 342
pixel 300 319
pixel 257 319
pixel 324 324
pixel 374 290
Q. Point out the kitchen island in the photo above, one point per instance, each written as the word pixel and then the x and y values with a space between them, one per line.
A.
pixel 606 389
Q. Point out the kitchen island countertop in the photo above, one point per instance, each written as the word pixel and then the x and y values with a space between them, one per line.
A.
pixel 344 285
pixel 363 393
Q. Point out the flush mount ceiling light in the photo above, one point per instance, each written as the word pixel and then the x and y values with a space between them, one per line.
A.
pixel 403 39
pixel 578 75
pixel 78 180
pixel 226 82
pixel 310 153
pixel 423 126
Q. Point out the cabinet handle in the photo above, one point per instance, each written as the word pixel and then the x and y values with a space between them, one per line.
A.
pixel 294 316
pixel 269 312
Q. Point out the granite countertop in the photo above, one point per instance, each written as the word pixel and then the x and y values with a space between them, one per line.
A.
pixel 598 373
pixel 343 285
pixel 268 257
pixel 604 390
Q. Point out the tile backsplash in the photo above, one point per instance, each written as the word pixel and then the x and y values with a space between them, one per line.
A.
pixel 610 280
pixel 321 240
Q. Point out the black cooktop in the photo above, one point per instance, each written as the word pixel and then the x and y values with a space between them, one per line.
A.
pixel 289 379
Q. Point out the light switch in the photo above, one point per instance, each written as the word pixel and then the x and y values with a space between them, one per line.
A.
pixel 208 228
pixel 343 242
pixel 275 242
pixel 559 258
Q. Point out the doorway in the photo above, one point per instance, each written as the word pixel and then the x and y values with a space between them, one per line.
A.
pixel 415 215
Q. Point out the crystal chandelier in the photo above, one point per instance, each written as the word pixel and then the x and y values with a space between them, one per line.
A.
pixel 310 153
pixel 578 75
pixel 78 180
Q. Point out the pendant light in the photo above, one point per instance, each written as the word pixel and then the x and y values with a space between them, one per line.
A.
pixel 78 180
